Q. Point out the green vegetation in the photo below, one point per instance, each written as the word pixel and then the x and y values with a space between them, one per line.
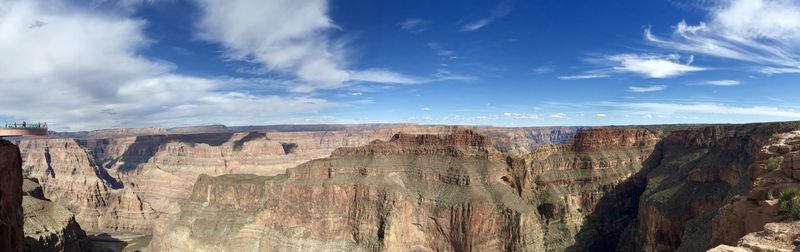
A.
pixel 774 163
pixel 790 202
pixel 775 137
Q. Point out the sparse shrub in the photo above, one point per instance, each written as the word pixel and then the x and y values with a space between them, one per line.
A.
pixel 736 198
pixel 775 137
pixel 774 163
pixel 790 202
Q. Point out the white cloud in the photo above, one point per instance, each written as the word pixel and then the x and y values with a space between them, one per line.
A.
pixel 477 24
pixel 653 66
pixel 414 25
pixel 543 69
pixel 583 76
pixel 760 31
pixel 500 11
pixel 425 109
pixel 600 115
pixel 439 49
pixel 559 115
pixel 703 108
pixel 526 116
pixel 79 69
pixel 645 89
pixel 723 83
pixel 779 70
pixel 285 36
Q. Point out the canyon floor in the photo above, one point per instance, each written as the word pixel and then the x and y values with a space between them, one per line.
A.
pixel 399 187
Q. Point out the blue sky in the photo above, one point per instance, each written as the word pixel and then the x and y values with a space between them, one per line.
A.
pixel 84 65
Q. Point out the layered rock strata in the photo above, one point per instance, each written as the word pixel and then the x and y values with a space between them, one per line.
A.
pixel 701 169
pixel 420 192
pixel 50 226
pixel 119 181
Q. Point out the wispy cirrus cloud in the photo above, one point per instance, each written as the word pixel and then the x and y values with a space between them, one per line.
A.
pixel 414 25
pixel 657 66
pixel 653 65
pixel 583 76
pixel 440 50
pixel 699 108
pixel 646 89
pixel 722 83
pixel 765 32
pixel 545 69
pixel 500 11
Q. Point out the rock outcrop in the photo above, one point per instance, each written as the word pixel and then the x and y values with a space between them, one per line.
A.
pixel 780 237
pixel 119 181
pixel 701 169
pixel 11 220
pixel 422 192
pixel 50 226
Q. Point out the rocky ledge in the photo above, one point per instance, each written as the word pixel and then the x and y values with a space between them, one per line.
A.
pixel 48 225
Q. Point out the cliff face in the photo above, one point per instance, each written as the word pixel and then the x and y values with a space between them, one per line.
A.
pixel 756 219
pixel 700 169
pixel 413 192
pixel 421 192
pixel 71 177
pixel 121 180
pixel 587 191
pixel 660 189
pixel 11 221
pixel 50 226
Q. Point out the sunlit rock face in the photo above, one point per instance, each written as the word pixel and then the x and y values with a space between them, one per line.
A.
pixel 48 225
pixel 122 180
pixel 625 189
pixel 453 192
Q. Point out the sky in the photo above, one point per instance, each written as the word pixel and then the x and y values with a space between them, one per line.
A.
pixel 83 65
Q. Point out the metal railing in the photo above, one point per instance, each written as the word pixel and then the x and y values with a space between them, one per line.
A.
pixel 25 125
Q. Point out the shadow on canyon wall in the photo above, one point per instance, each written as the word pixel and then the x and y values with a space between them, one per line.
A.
pixel 145 147
pixel 615 211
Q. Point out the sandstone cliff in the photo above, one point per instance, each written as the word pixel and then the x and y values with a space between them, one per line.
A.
pixel 50 226
pixel 422 192
pixel 634 189
pixel 11 223
pixel 700 169
pixel 121 180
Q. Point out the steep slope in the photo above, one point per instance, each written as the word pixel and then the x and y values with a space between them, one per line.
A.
pixel 419 192
pixel 71 177
pixel 49 226
pixel 587 191
pixel 424 192
pixel 11 220
pixel 701 169
pixel 121 180
pixel 757 220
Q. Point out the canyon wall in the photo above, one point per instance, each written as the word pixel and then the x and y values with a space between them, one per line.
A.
pixel 119 181
pixel 700 170
pixel 625 189
pixel 11 220
pixel 452 192
pixel 48 225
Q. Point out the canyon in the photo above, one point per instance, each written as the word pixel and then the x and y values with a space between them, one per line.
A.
pixel 429 188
